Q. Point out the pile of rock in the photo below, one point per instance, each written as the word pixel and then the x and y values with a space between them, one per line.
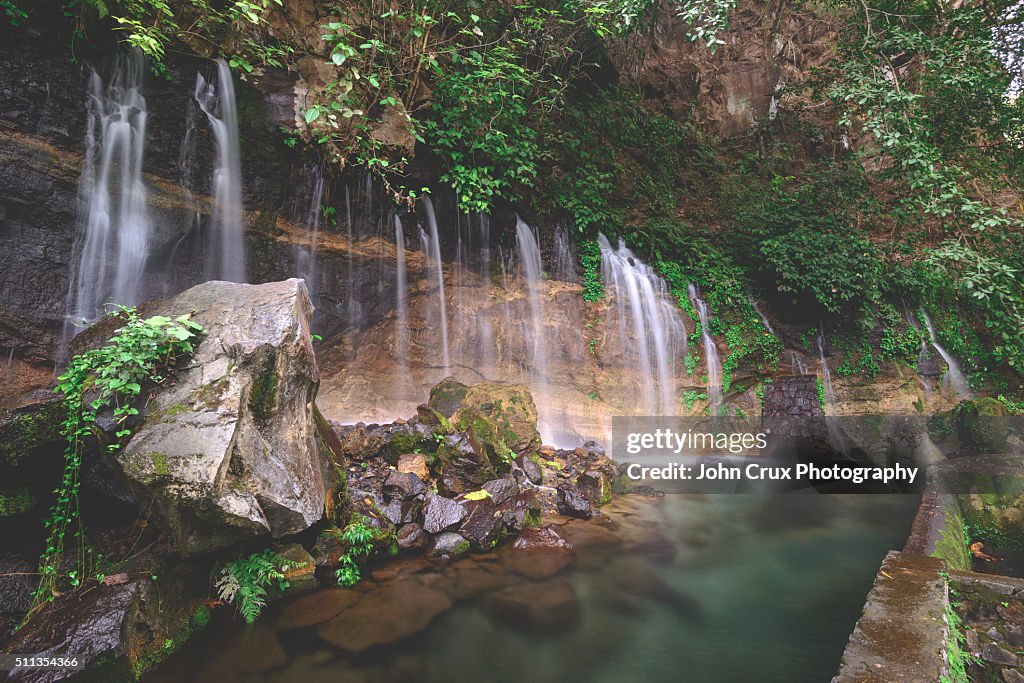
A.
pixel 466 471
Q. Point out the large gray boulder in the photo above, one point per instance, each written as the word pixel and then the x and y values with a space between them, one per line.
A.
pixel 228 448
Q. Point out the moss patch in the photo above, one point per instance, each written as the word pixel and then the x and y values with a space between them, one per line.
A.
pixel 16 502
pixel 952 546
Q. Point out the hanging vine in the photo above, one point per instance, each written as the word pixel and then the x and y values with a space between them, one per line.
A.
pixel 106 378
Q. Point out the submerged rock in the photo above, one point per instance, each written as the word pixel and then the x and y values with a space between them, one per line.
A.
pixel 397 611
pixel 449 545
pixel 228 448
pixel 541 608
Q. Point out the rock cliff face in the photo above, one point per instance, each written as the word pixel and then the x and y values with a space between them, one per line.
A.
pixel 770 47
pixel 43 116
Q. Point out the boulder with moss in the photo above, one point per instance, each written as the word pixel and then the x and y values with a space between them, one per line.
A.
pixel 230 447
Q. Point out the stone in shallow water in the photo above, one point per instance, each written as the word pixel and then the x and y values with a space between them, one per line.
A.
pixel 540 608
pixel 316 608
pixel 572 503
pixel 448 545
pixel 441 514
pixel 256 650
pixel 389 614
pixel 412 536
pixel 544 538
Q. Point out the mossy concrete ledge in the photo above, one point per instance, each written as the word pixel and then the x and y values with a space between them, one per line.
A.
pixel 902 632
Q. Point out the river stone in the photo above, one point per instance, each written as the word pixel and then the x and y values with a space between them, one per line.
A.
pixel 228 451
pixel 482 523
pixel 412 536
pixel 316 608
pixel 463 466
pixel 449 545
pixel 572 503
pixel 414 463
pixel 403 485
pixel 397 611
pixel 542 538
pixel 534 474
pixel 501 489
pixel 540 608
pixel 441 514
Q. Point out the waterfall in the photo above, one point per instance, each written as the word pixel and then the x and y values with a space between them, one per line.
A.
pixel 435 268
pixel 112 195
pixel 225 253
pixel 565 258
pixel 711 358
pixel 532 271
pixel 645 313
pixel 305 254
pixel 954 378
pixel 763 317
pixel 826 374
pixel 401 314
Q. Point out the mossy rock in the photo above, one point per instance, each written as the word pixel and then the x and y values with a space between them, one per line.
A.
pixel 25 430
pixel 500 419
pixel 16 501
pixel 981 425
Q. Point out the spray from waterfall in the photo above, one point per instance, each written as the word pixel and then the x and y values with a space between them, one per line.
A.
pixel 826 374
pixel 648 322
pixel 112 196
pixel 532 271
pixel 711 357
pixel 401 311
pixel 225 251
pixel 954 378
pixel 435 268
pixel 305 254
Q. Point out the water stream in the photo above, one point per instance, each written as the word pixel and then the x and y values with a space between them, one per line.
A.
pixel 954 379
pixel 435 276
pixel 115 218
pixel 225 250
pixel 667 592
pixel 644 314
pixel 711 357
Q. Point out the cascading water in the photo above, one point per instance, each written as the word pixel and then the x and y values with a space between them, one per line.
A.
pixel 954 378
pixel 225 250
pixel 435 275
pixel 112 195
pixel 305 254
pixel 401 312
pixel 826 374
pixel 531 267
pixel 711 357
pixel 645 312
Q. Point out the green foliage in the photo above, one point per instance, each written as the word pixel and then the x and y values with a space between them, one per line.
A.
pixel 107 378
pixel 590 258
pixel 153 26
pixel 248 581
pixel 481 130
pixel 958 655
pixel 359 539
pixel 691 397
pixel 822 394
pixel 705 19
pixel 16 16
